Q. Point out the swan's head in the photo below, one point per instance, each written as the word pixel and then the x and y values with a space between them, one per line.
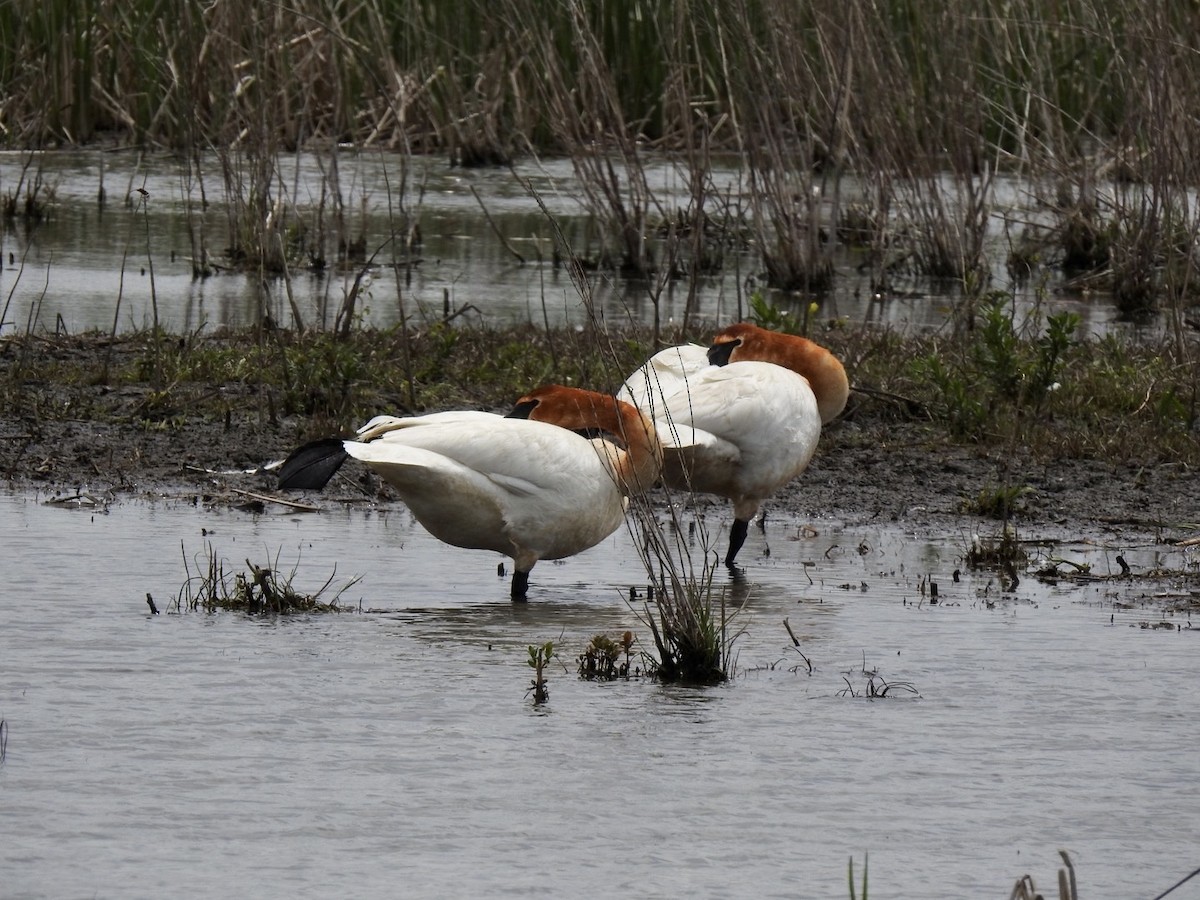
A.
pixel 745 342
pixel 599 416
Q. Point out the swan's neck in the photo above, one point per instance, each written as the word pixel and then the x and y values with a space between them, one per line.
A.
pixel 637 466
pixel 823 370
pixel 629 445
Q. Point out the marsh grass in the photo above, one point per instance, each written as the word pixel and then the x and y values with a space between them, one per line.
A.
pixel 259 590
pixel 1118 399
pixel 328 380
pixel 590 126
pixel 854 895
pixel 1087 104
pixel 1030 76
pixel 30 200
pixel 876 687
pixel 691 629
pixel 690 621
pixel 1024 889
pixel 1035 385
pixel 1002 551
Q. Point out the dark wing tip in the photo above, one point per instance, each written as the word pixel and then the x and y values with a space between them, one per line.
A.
pixel 310 467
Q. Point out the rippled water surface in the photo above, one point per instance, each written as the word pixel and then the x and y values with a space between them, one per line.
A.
pixel 91 266
pixel 394 752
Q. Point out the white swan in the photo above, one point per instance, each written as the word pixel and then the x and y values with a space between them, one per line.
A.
pixel 530 490
pixel 741 418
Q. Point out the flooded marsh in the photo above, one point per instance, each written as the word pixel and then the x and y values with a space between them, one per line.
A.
pixel 396 747
pixel 129 262
pixel 222 234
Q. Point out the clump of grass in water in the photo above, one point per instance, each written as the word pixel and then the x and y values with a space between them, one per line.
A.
pixel 1003 554
pixel 689 620
pixel 258 591
pixel 1024 889
pixel 689 634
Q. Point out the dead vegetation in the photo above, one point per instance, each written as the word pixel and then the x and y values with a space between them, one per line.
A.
pixel 885 127
pixel 214 586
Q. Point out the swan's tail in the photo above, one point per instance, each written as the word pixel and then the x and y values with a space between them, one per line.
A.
pixel 310 467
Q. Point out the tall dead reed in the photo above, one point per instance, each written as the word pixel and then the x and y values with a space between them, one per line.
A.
pixel 579 90
pixel 903 113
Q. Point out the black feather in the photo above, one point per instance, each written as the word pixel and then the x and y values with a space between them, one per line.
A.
pixel 310 467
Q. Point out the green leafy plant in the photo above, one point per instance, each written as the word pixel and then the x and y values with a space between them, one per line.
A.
pixel 963 407
pixel 1000 374
pixel 995 350
pixel 539 658
pixel 601 659
pixel 1051 349
pixel 766 314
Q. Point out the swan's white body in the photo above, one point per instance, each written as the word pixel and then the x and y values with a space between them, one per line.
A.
pixel 477 480
pixel 744 429
pixel 528 489
pixel 740 431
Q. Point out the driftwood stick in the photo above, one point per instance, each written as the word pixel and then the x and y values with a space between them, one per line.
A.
pixel 306 507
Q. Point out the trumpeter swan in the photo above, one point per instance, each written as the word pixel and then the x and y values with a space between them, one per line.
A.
pixel 741 418
pixel 528 489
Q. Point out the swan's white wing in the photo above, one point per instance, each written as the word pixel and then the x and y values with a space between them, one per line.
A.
pixel 661 375
pixel 381 425
pixel 741 430
pixel 454 502
pixel 531 455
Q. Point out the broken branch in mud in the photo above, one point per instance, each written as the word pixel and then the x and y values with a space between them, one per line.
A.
pixel 265 498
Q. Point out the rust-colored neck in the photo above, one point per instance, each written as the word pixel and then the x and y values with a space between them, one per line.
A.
pixel 632 447
pixel 824 371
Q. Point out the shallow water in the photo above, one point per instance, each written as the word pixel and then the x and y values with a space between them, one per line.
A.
pixel 394 752
pixel 93 267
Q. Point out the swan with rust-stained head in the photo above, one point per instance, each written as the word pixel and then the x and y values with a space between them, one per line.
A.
pixel 741 418
pixel 822 370
pixel 530 490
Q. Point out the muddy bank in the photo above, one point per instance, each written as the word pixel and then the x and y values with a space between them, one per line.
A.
pixel 867 469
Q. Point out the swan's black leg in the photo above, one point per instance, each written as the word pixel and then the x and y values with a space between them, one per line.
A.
pixel 737 537
pixel 520 585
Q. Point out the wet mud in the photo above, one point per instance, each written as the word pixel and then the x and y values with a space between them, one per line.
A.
pixel 867 469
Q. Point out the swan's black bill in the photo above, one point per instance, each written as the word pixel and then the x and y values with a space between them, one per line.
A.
pixel 718 354
pixel 522 410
